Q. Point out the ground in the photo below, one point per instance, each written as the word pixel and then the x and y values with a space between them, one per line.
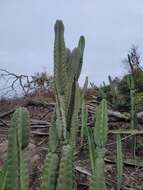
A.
pixel 36 151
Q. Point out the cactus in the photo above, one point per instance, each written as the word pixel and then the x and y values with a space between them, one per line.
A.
pixel 67 68
pixel 133 114
pixel 59 58
pixel 131 85
pixel 114 92
pixel 119 163
pixel 3 175
pixel 60 77
pixel 50 172
pixel 74 120
pixel 53 135
pixel 17 174
pixel 66 170
pixel 23 121
pixel 84 117
pixel 101 125
pixel 100 138
pixel 81 46
pixel 91 147
pixel 102 92
pixel 84 112
pixel 62 133
pixel 98 179
pixel 110 79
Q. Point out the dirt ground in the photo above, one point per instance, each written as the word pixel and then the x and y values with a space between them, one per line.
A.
pixel 38 147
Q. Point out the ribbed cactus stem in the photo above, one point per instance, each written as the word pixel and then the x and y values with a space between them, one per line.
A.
pixel 133 114
pixel 66 178
pixel 3 175
pixel 21 120
pixel 74 120
pixel 59 169
pixel 84 112
pixel 53 135
pixel 100 138
pixel 60 78
pixel 50 172
pixel 59 58
pixel 98 179
pixel 119 163
pixel 81 46
pixel 101 124
pixel 17 174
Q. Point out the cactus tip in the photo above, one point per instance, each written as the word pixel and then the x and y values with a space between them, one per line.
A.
pixel 59 25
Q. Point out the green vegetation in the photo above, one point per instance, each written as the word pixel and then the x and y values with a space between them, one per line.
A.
pixel 58 170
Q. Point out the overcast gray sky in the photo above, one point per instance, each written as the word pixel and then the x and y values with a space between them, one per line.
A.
pixel 110 28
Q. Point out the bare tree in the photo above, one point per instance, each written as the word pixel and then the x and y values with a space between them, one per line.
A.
pixel 133 60
pixel 23 84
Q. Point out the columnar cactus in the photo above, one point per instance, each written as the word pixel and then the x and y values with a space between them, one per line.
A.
pixel 3 174
pixel 50 172
pixel 17 174
pixel 100 138
pixel 66 178
pixel 131 85
pixel 84 113
pixel 62 134
pixel 133 114
pixel 119 163
pixel 67 68
pixel 114 91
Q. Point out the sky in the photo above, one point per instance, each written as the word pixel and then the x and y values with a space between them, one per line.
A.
pixel 110 28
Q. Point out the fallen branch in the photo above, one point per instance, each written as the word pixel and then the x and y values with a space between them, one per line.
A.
pixel 40 103
pixel 126 132
pixel 128 162
pixel 7 113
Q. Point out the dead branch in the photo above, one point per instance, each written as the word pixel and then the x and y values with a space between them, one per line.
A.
pixel 12 81
pixel 24 84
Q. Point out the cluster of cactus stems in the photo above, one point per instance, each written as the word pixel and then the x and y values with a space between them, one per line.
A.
pixel 133 114
pixel 58 169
